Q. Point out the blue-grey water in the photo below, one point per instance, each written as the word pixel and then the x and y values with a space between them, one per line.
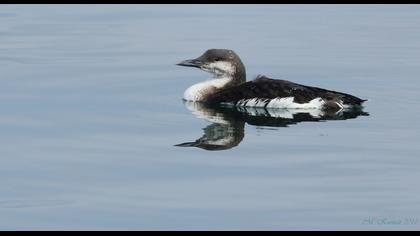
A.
pixel 91 110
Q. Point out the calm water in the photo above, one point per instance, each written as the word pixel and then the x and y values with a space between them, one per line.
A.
pixel 91 112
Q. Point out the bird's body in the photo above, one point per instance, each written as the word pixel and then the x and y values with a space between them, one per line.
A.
pixel 273 93
pixel 229 87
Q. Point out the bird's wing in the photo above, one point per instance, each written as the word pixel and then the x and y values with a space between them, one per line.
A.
pixel 266 88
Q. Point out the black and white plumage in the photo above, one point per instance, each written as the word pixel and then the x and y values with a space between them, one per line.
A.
pixel 272 93
pixel 229 87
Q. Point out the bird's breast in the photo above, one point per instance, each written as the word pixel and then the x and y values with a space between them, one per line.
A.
pixel 199 92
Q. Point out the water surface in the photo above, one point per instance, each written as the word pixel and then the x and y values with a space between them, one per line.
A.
pixel 91 112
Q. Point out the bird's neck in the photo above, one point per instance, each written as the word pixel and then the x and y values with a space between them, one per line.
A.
pixel 200 91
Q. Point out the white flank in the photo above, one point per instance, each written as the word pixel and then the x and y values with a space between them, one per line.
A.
pixel 286 102
pixel 316 103
pixel 253 102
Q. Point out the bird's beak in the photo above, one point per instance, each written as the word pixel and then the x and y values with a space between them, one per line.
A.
pixel 192 63
pixel 187 144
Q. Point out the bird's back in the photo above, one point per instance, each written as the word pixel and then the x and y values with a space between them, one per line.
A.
pixel 264 91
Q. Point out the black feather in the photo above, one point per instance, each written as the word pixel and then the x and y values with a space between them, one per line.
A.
pixel 266 88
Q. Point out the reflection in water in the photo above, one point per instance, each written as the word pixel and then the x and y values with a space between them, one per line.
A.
pixel 227 128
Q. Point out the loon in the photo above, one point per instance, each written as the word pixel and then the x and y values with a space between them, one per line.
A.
pixel 229 87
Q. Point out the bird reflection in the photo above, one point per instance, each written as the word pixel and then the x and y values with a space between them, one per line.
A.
pixel 227 123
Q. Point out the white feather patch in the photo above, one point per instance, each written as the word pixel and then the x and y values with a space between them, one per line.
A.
pixel 197 92
pixel 316 103
pixel 220 68
pixel 286 102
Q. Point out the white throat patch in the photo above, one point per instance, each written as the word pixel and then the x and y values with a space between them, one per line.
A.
pixel 220 68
